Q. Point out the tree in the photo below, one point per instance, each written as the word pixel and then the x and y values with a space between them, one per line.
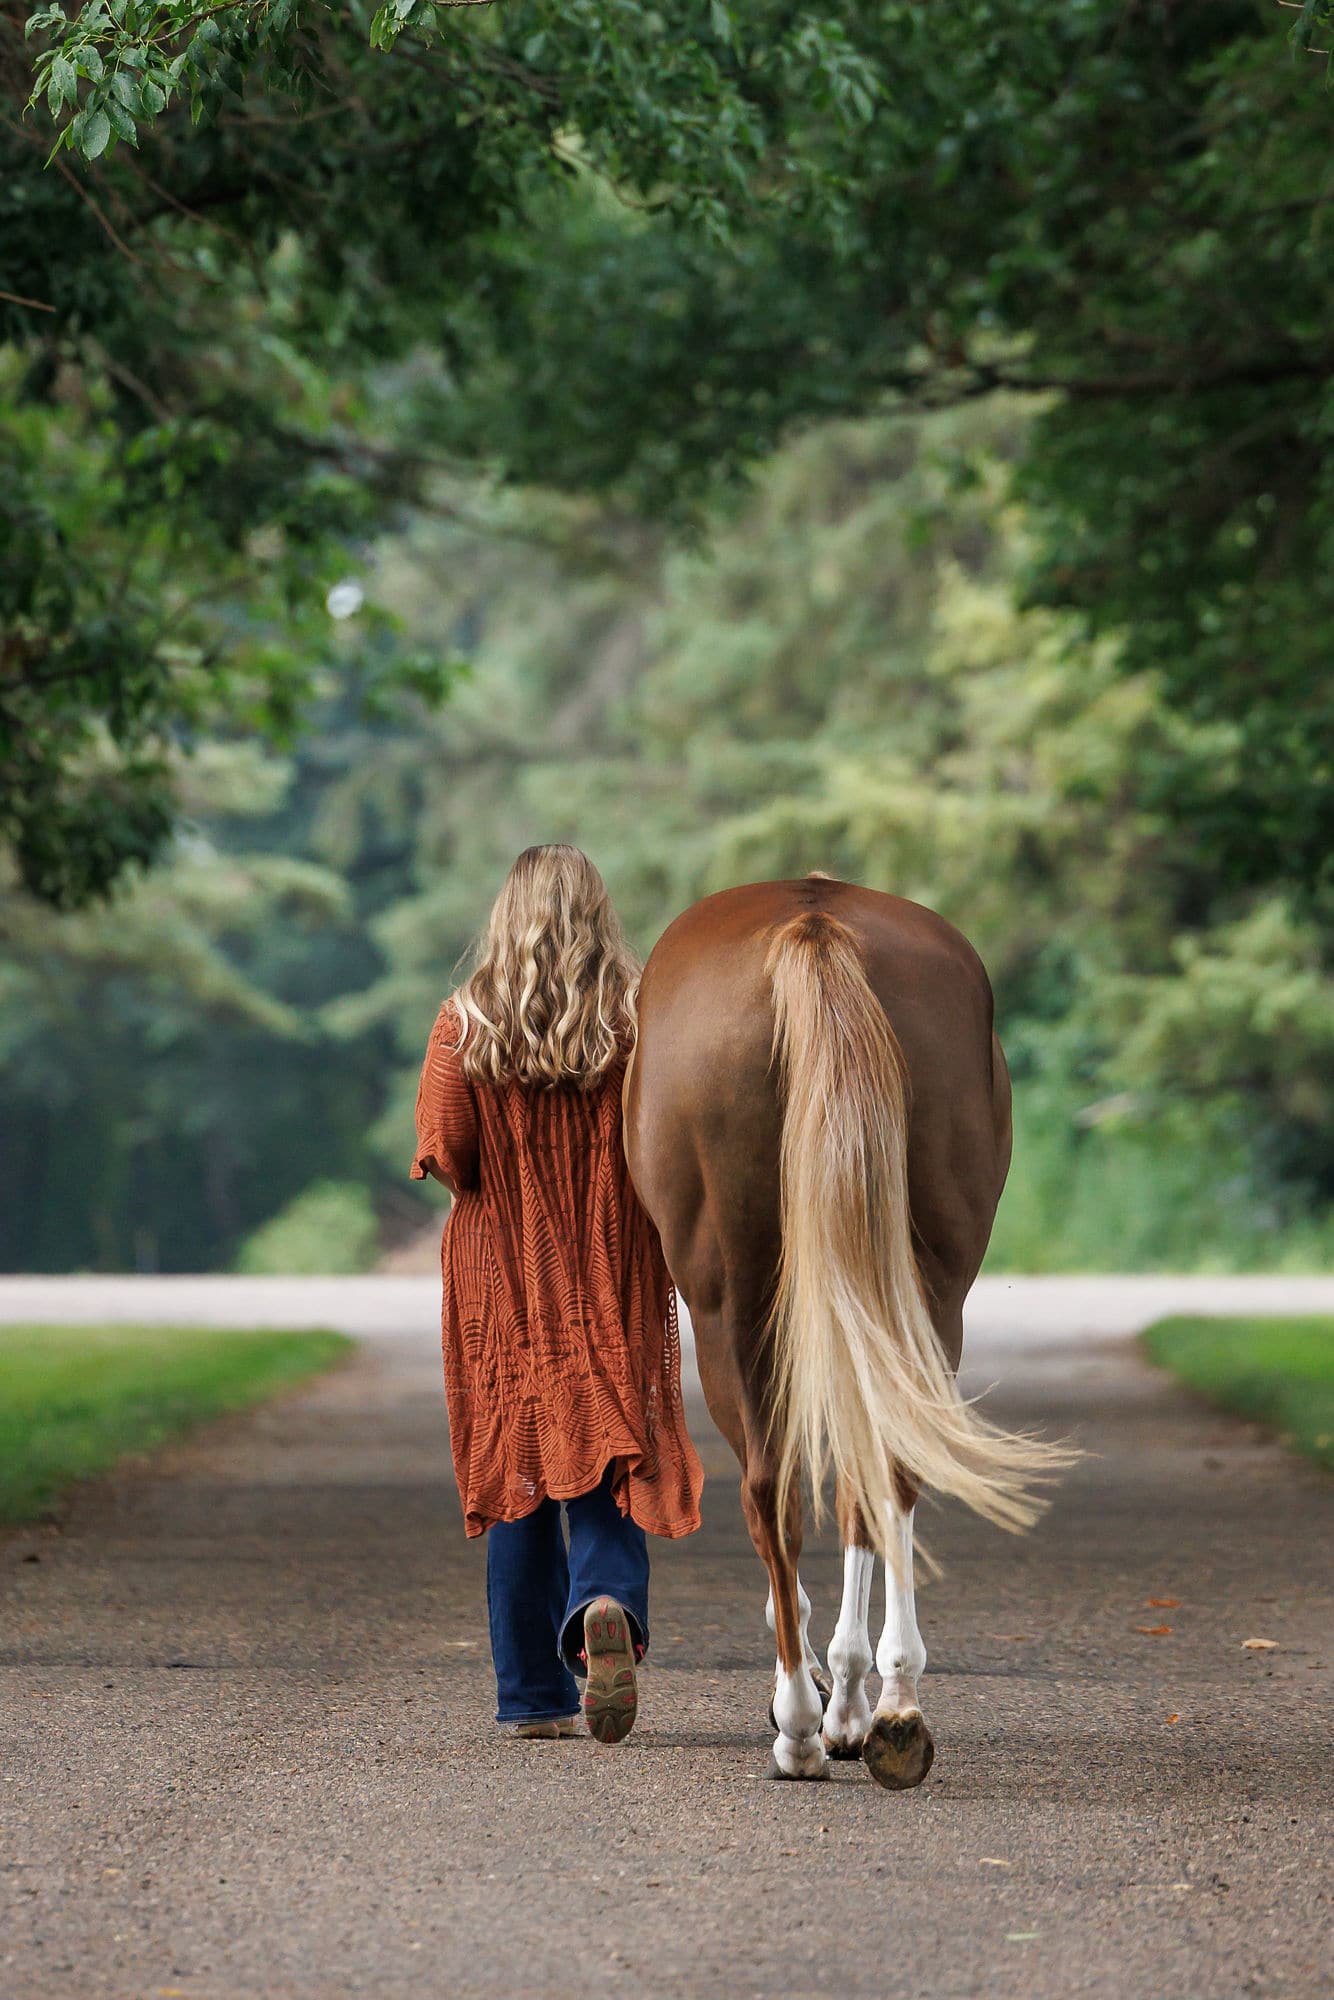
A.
pixel 166 1084
pixel 1122 206
pixel 841 679
pixel 250 217
pixel 645 258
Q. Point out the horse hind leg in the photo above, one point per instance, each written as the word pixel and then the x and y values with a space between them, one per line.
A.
pixel 898 1749
pixel 847 1719
pixel 798 1710
pixel 809 1653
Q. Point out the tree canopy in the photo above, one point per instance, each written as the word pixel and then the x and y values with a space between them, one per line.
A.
pixel 884 437
pixel 639 259
pixel 613 258
pixel 249 213
pixel 1123 206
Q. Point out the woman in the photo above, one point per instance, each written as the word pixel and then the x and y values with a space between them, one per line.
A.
pixel 562 1364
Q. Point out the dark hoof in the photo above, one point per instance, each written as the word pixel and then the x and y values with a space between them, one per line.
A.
pixel 898 1751
pixel 776 1770
pixel 844 1752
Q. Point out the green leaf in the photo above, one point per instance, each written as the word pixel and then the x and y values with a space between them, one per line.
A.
pixel 96 133
pixel 44 20
pixel 63 86
pixel 121 121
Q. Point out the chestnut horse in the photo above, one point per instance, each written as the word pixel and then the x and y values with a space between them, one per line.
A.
pixel 817 1117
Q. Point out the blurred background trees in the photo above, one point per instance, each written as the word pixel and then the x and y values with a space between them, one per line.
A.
pixel 892 440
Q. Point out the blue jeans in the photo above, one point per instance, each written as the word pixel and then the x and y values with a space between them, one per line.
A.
pixel 536 1594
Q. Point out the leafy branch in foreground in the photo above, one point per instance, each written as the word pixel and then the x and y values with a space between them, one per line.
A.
pixel 117 64
pixel 253 218
pixel 686 121
pixel 1314 17
pixel 583 252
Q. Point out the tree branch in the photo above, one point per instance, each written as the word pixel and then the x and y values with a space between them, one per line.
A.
pixel 983 378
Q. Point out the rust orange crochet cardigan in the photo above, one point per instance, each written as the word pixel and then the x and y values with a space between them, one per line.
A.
pixel 559 1321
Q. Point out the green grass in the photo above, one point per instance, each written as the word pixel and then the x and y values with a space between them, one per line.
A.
pixel 74 1399
pixel 1280 1371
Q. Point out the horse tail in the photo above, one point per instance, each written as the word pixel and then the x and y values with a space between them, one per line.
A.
pixel 859 1377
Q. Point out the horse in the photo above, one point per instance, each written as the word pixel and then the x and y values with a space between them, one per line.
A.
pixel 817 1118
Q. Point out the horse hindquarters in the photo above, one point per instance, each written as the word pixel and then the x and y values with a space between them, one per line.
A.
pixel 807 1184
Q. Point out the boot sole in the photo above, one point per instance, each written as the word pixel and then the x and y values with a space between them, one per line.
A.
pixel 611 1693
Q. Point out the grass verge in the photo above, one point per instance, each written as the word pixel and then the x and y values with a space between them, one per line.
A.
pixel 1279 1371
pixel 74 1399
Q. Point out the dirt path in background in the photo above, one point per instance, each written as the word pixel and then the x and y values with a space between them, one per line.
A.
pixel 247 1747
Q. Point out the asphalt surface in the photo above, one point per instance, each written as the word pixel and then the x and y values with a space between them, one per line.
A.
pixel 247 1747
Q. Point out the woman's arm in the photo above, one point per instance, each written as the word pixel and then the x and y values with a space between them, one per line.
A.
pixel 446 1111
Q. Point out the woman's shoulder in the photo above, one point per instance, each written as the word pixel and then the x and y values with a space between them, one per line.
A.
pixel 444 1051
pixel 451 1024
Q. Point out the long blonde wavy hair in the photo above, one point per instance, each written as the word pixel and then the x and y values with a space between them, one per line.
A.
pixel 551 998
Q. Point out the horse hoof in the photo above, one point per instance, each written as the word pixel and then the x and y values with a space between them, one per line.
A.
pixel 845 1752
pixel 898 1751
pixel 776 1770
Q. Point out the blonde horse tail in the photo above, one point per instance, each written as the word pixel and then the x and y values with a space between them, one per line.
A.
pixel 859 1377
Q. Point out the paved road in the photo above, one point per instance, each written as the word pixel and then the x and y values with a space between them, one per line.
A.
pixel 246 1747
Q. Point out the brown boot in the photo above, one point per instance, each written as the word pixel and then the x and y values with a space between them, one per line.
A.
pixel 546 1732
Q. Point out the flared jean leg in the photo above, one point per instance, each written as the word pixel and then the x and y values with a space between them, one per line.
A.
pixel 608 1558
pixel 527 1593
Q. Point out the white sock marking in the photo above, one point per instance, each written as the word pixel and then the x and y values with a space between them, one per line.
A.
pixel 848 1716
pixel 797 1707
pixel 900 1657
